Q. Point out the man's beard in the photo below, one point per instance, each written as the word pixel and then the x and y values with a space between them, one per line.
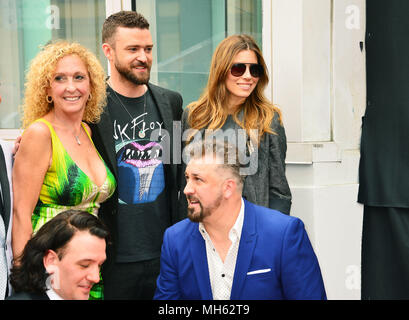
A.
pixel 130 76
pixel 204 212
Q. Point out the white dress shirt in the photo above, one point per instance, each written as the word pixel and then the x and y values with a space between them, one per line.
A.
pixel 52 294
pixel 221 274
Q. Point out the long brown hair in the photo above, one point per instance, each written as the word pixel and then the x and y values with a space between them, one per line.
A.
pixel 210 112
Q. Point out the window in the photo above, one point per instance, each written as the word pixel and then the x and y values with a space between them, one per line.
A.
pixel 187 32
pixel 25 26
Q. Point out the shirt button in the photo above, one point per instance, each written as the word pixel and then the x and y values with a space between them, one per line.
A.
pixel 223 275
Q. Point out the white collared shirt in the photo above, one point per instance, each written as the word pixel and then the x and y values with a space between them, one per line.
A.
pixel 221 274
pixel 52 294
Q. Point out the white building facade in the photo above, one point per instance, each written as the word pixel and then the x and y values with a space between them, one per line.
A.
pixel 317 58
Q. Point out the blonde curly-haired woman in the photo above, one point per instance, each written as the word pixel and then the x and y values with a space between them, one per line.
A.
pixel 57 167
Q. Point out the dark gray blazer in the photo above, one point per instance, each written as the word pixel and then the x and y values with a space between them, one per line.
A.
pixel 5 187
pixel 28 296
pixel 268 187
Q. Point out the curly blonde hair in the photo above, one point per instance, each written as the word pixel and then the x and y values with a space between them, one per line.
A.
pixel 39 77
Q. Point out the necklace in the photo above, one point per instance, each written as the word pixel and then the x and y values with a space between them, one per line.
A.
pixel 141 132
pixel 78 139
pixel 76 136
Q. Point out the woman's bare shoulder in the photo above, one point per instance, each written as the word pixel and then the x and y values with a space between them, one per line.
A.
pixel 36 135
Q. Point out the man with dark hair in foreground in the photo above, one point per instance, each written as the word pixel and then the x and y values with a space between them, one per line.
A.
pixel 62 260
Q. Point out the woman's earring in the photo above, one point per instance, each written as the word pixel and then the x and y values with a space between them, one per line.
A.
pixel 49 99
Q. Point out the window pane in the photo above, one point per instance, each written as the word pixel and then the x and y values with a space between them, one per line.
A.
pixel 25 26
pixel 187 32
pixel 244 16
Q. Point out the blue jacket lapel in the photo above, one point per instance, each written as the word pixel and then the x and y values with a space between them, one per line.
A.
pixel 247 244
pixel 199 257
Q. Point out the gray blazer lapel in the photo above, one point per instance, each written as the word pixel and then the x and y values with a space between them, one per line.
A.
pixel 165 111
pixel 106 133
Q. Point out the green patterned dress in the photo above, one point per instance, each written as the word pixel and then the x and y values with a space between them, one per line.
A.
pixel 67 187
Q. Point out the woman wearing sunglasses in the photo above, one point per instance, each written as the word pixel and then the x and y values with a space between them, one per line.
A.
pixel 234 99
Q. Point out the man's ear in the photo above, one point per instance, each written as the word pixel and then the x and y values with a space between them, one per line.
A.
pixel 50 260
pixel 108 51
pixel 229 188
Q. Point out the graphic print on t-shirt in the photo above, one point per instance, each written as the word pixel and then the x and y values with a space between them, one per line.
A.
pixel 141 177
pixel 141 171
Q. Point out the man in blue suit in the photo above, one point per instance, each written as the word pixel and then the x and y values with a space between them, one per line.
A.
pixel 229 248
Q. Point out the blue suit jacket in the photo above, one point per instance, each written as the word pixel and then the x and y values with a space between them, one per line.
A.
pixel 273 243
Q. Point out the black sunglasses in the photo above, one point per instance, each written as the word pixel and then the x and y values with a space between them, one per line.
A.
pixel 238 69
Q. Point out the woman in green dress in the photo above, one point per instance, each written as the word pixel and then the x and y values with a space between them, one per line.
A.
pixel 57 167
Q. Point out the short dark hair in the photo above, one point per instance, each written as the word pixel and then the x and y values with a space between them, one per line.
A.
pixel 29 274
pixel 125 19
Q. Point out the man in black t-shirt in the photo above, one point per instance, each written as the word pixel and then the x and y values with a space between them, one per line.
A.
pixel 143 200
pixel 133 137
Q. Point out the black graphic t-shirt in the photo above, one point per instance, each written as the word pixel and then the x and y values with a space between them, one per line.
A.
pixel 143 208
